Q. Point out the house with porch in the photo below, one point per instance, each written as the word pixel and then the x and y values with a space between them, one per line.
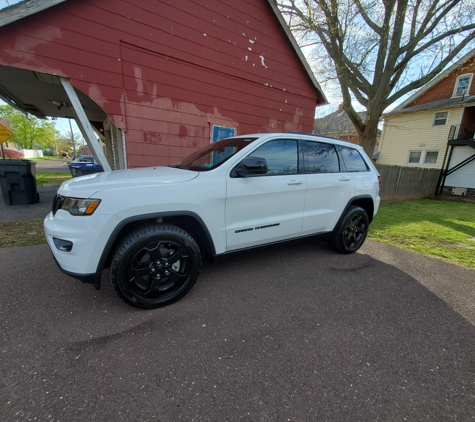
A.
pixel 435 128
pixel 155 80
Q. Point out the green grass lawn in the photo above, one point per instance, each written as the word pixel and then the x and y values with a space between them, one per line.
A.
pixel 51 179
pixel 441 229
pixel 45 158
pixel 21 233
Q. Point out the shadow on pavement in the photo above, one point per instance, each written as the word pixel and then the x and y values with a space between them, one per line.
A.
pixel 288 332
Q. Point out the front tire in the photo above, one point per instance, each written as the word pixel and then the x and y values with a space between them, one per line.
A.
pixel 155 266
pixel 351 232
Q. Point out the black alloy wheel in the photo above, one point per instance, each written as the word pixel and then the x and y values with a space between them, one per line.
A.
pixel 351 232
pixel 155 266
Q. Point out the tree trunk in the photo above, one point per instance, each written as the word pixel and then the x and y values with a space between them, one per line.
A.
pixel 369 135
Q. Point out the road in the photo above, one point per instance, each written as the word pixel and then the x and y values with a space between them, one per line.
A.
pixel 288 332
pixel 52 166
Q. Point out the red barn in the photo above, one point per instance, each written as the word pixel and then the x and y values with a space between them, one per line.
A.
pixel 156 79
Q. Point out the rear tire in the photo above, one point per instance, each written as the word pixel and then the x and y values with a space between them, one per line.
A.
pixel 351 232
pixel 155 266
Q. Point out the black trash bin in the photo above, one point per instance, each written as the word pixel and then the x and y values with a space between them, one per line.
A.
pixel 18 183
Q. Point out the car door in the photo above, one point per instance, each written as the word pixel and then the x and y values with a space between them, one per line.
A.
pixel 269 207
pixel 364 180
pixel 329 187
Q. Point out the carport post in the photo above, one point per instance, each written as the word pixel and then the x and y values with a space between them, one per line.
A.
pixel 84 125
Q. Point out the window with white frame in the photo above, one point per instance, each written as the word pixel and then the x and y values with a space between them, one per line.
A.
pixel 415 157
pixel 431 157
pixel 423 157
pixel 462 85
pixel 440 118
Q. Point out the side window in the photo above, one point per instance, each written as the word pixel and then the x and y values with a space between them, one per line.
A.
pixel 423 157
pixel 431 157
pixel 281 157
pixel 462 85
pixel 352 159
pixel 440 118
pixel 320 158
pixel 414 156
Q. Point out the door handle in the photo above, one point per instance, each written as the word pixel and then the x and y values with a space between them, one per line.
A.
pixel 345 179
pixel 294 182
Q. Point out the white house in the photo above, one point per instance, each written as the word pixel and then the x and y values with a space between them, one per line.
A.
pixel 435 127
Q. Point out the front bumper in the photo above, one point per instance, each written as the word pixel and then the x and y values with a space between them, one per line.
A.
pixel 88 235
pixel 94 279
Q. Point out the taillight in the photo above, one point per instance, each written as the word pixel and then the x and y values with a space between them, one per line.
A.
pixel 380 180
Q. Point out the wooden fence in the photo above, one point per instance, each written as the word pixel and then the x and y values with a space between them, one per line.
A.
pixel 407 182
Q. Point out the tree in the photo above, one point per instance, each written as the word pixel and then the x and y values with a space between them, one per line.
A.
pixel 28 132
pixel 381 50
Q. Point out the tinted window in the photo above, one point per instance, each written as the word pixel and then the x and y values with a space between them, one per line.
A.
pixel 352 159
pixel 281 157
pixel 213 155
pixel 320 158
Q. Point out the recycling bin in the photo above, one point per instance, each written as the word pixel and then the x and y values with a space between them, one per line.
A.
pixel 18 182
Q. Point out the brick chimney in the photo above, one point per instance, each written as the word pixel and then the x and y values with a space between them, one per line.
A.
pixel 340 108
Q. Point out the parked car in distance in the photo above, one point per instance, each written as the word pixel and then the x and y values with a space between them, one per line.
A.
pixel 152 226
pixel 84 164
pixel 85 159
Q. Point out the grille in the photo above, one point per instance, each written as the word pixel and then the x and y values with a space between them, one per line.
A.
pixel 57 203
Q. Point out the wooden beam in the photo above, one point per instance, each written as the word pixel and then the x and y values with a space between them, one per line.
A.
pixel 84 125
pixel 25 8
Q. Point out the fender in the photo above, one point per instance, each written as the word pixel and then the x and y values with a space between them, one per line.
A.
pixel 352 202
pixel 137 218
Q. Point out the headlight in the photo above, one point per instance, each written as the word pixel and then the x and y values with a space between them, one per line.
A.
pixel 77 206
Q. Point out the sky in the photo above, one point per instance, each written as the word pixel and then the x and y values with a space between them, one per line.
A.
pixel 5 3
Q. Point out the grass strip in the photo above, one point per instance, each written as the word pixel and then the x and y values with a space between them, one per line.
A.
pixel 440 229
pixel 22 233
pixel 51 179
pixel 45 158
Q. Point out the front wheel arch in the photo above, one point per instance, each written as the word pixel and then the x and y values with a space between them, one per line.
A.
pixel 188 221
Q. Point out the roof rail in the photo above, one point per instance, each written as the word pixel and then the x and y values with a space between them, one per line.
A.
pixel 295 132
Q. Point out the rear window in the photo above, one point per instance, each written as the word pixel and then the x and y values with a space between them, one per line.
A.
pixel 352 159
pixel 320 158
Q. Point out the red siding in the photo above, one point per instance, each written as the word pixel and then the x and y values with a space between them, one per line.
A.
pixel 164 71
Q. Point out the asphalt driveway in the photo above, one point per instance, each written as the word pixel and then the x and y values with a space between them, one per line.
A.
pixel 289 332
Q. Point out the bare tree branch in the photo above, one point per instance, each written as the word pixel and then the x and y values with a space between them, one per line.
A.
pixel 373 47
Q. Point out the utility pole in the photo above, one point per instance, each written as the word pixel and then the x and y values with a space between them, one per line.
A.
pixel 72 139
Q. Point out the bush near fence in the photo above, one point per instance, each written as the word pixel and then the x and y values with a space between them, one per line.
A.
pixel 407 182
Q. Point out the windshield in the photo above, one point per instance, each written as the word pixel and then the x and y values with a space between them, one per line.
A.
pixel 213 155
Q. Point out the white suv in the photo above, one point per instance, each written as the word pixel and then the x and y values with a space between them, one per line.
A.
pixel 153 225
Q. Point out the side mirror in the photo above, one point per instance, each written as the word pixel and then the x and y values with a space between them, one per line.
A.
pixel 252 166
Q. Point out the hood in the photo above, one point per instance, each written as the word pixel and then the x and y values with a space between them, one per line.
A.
pixel 85 186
